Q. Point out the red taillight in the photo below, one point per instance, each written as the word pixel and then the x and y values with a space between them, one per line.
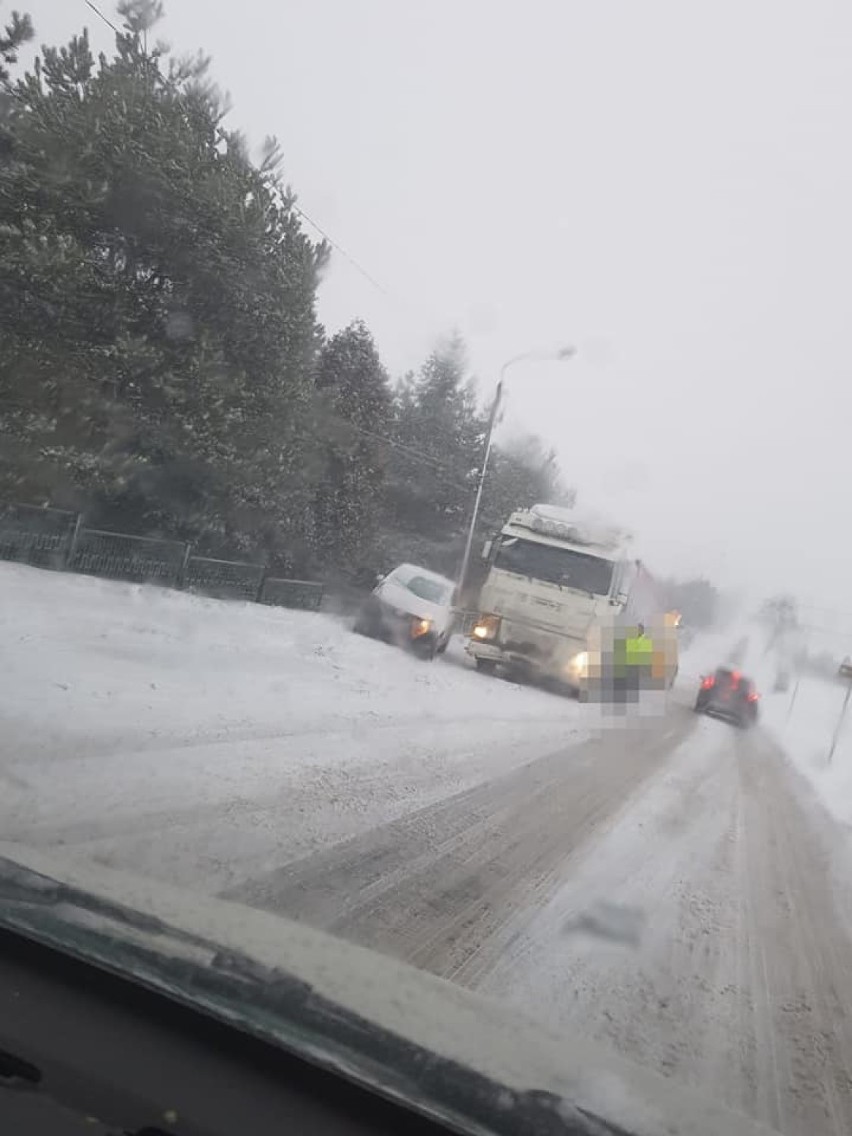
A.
pixel 708 683
pixel 753 696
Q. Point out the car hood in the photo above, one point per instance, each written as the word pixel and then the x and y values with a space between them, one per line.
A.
pixel 409 1035
pixel 400 598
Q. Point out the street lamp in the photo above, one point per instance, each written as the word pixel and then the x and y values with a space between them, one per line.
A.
pixel 563 353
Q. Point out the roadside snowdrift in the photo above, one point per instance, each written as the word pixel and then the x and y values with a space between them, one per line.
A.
pixel 139 710
pixel 804 721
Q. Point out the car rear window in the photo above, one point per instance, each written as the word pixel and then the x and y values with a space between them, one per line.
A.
pixel 740 682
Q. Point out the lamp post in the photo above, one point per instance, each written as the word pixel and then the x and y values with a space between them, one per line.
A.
pixel 563 353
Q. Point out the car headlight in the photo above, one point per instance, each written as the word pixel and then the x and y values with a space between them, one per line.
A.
pixel 486 627
pixel 579 665
pixel 420 627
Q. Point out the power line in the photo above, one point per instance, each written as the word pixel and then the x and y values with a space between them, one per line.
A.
pixel 341 250
pixel 105 19
pixel 296 208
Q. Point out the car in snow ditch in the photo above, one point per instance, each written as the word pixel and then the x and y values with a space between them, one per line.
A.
pixel 730 695
pixel 411 607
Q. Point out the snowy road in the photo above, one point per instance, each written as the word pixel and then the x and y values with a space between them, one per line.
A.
pixel 677 905
pixel 668 885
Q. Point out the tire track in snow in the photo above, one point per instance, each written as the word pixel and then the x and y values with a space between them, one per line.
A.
pixel 745 956
pixel 443 887
pixel 804 950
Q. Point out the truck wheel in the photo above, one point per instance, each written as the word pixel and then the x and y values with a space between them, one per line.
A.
pixel 486 666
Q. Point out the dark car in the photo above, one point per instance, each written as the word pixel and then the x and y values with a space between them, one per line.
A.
pixel 730 695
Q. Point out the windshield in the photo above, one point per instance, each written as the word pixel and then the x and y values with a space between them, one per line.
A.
pixel 300 298
pixel 561 566
pixel 426 588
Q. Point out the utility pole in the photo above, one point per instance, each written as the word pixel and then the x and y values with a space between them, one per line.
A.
pixel 840 721
pixel 562 354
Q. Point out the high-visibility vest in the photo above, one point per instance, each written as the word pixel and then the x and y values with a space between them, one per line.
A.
pixel 640 651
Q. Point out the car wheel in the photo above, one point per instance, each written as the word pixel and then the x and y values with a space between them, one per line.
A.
pixel 486 666
pixel 423 648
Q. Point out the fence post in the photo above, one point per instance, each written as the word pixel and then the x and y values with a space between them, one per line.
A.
pixel 793 699
pixel 261 581
pixel 72 547
pixel 840 722
pixel 181 580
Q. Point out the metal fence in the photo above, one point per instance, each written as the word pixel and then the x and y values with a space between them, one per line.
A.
pixel 56 539
pixel 305 594
pixel 223 579
pixel 41 537
pixel 138 559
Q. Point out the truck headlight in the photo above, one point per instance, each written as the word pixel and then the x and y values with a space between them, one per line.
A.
pixel 486 627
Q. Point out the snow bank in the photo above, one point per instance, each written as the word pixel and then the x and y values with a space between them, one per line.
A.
pixel 102 664
pixel 803 721
pixel 254 732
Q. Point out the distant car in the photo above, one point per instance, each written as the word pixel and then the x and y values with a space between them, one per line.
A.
pixel 411 607
pixel 730 695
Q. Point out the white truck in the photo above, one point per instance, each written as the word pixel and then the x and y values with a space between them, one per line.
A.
pixel 556 591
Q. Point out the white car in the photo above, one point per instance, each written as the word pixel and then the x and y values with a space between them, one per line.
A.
pixel 411 607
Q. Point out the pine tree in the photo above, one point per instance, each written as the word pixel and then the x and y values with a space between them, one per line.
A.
pixel 157 299
pixel 355 414
pixel 14 35
pixel 439 435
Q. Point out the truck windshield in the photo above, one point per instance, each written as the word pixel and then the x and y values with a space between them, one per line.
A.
pixel 561 566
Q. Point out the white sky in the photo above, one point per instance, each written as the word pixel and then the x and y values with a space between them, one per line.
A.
pixel 665 184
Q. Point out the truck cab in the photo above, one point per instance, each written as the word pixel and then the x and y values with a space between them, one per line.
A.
pixel 552 583
pixel 559 596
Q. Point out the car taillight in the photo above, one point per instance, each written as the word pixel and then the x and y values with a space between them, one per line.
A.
pixel 753 696
pixel 708 683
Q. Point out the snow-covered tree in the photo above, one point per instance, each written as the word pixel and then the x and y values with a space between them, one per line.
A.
pixel 157 303
pixel 354 406
pixel 438 437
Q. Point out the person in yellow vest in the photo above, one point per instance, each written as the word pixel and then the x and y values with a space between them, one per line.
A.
pixel 639 657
